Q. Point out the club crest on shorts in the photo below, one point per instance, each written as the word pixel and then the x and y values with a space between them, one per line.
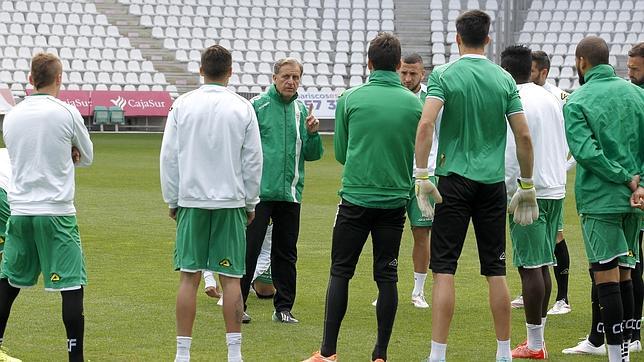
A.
pixel 54 277
pixel 225 263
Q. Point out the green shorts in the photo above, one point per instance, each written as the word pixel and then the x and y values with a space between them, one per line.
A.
pixel 4 216
pixel 610 236
pixel 47 244
pixel 533 246
pixel 416 219
pixel 211 240
pixel 560 222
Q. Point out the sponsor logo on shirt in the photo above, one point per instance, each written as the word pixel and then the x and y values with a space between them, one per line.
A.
pixel 54 277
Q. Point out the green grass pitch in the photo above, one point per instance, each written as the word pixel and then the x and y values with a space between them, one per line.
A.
pixel 129 302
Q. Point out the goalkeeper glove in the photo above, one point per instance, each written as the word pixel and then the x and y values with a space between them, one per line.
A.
pixel 524 203
pixel 424 190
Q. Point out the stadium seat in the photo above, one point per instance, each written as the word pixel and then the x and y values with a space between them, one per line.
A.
pixel 101 115
pixel 117 115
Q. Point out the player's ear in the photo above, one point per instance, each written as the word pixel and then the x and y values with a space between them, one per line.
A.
pixel 487 40
pixel 370 65
pixel 398 65
pixel 31 80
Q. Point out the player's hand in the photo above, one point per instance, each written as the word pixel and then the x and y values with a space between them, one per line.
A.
pixel 76 156
pixel 312 123
pixel 250 215
pixel 637 198
pixel 424 190
pixel 635 183
pixel 173 214
pixel 213 292
pixel 524 203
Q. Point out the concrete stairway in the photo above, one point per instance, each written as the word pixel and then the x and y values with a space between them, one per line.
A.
pixel 412 27
pixel 151 48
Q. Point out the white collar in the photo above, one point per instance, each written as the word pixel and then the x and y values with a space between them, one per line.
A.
pixel 477 56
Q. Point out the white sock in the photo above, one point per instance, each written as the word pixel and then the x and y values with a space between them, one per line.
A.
pixel 535 336
pixel 437 353
pixel 419 283
pixel 543 330
pixel 183 349
pixel 503 350
pixel 614 352
pixel 233 341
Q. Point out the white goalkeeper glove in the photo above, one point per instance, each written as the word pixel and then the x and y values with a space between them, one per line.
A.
pixel 424 190
pixel 524 203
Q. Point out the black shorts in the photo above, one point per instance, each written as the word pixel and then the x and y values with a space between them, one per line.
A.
pixel 463 199
pixel 353 224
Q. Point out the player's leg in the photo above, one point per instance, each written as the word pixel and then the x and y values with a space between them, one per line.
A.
pixel 561 271
pixel 74 320
pixel 263 278
pixel 421 228
pixel 631 227
pixel 255 233
pixel 451 221
pixel 226 256
pixel 20 267
pixel 488 218
pixel 63 267
pixel 191 257
pixel 350 233
pixel 638 297
pixel 286 229
pixel 386 234
pixel 605 241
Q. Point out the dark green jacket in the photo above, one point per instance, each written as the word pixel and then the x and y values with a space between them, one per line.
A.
pixel 605 132
pixel 286 144
pixel 375 132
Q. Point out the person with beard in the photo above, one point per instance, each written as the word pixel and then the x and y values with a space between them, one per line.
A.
pixel 594 342
pixel 604 122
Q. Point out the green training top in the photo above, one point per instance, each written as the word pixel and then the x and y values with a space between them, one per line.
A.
pixel 605 132
pixel 477 96
pixel 375 131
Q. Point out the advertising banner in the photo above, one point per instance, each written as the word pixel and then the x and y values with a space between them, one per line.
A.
pixel 323 103
pixel 135 103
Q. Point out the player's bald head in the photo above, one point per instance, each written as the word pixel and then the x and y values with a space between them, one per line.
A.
pixel 594 49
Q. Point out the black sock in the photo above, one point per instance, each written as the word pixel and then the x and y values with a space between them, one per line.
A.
pixel 612 312
pixel 386 314
pixel 7 295
pixel 626 288
pixel 561 270
pixel 638 294
pixel 596 335
pixel 74 321
pixel 337 296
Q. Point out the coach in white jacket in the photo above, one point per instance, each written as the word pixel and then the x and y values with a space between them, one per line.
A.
pixel 42 234
pixel 533 245
pixel 211 167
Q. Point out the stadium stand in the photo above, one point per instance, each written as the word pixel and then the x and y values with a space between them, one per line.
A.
pixel 94 54
pixel 155 44
pixel 325 35
pixel 557 26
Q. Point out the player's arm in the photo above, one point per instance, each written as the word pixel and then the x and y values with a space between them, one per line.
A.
pixel 425 130
pixel 252 159
pixel 312 149
pixel 169 162
pixel 586 149
pixel 341 136
pixel 81 141
pixel 521 131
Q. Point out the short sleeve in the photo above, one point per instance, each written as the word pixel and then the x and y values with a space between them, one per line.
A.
pixel 435 86
pixel 514 101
